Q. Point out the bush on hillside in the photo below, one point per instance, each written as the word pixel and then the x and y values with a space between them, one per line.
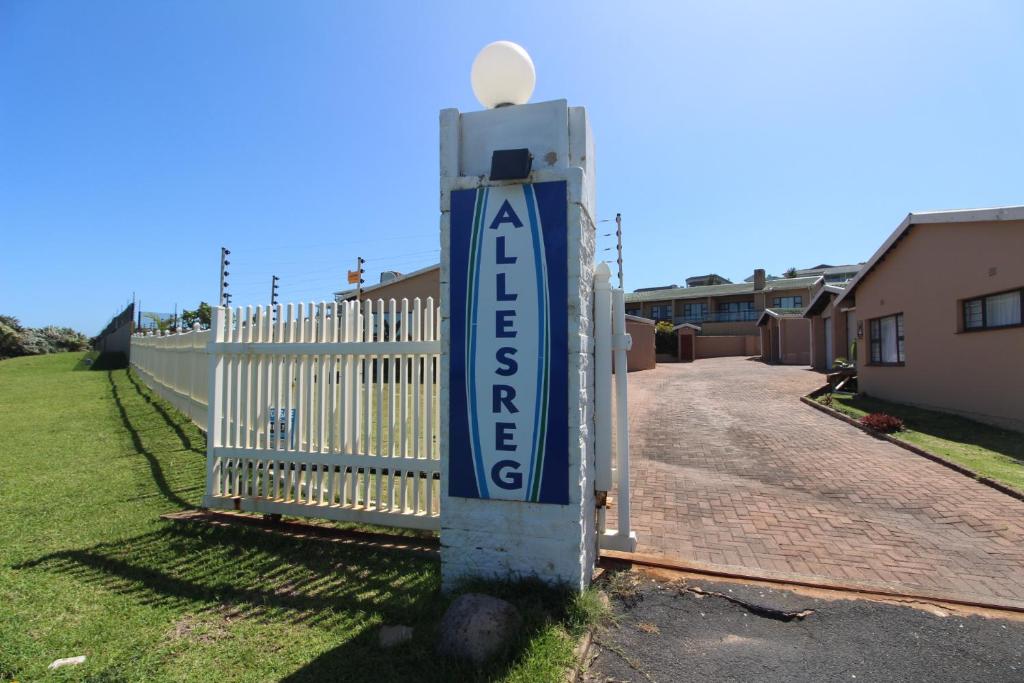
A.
pixel 16 340
pixel 10 336
pixel 882 422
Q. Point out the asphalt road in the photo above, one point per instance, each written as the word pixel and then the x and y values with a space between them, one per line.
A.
pixel 708 631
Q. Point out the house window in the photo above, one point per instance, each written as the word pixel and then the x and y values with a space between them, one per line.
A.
pixel 695 312
pixel 735 311
pixel 661 312
pixel 735 306
pixel 994 310
pixel 886 337
pixel 633 311
pixel 788 302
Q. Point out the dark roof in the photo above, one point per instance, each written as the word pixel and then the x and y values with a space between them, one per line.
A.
pixel 822 299
pixel 779 313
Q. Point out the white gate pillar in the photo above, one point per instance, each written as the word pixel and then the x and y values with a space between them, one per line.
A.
pixel 517 360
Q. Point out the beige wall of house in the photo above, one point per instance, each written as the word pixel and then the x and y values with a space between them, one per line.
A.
pixel 795 346
pixel 786 340
pixel 820 358
pixel 818 341
pixel 926 277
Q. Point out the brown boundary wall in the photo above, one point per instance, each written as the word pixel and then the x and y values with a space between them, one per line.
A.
pixel 731 345
pixel 641 356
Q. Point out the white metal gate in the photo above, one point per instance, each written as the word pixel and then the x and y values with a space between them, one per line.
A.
pixel 326 411
pixel 611 342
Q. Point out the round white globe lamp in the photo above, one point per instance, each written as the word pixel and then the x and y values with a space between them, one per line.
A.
pixel 503 74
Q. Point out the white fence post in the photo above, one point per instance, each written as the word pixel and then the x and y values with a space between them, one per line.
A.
pixel 622 538
pixel 215 404
pixel 603 379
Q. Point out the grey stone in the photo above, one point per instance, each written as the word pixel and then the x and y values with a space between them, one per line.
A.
pixel 477 627
pixel 391 636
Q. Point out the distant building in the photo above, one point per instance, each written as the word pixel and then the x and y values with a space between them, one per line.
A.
pixel 832 274
pixel 422 283
pixel 706 280
pixel 723 309
pixel 651 289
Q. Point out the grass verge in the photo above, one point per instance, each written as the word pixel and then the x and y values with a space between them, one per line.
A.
pixel 985 450
pixel 91 459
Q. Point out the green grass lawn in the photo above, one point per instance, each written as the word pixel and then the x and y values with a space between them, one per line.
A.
pixel 988 451
pixel 90 460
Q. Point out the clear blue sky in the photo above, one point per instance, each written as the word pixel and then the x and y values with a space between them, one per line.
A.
pixel 136 138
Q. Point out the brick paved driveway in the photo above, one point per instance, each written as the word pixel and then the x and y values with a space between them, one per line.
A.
pixel 730 469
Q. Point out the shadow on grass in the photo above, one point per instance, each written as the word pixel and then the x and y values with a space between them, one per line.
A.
pixel 234 574
pixel 94 360
pixel 111 360
pixel 86 361
pixel 193 567
pixel 155 468
pixel 944 425
pixel 174 424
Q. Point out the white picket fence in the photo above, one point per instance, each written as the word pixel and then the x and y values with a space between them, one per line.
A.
pixel 331 410
pixel 327 411
pixel 177 368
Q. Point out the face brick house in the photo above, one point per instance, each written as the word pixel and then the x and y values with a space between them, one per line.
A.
pixel 938 311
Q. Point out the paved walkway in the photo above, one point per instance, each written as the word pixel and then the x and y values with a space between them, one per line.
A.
pixel 730 469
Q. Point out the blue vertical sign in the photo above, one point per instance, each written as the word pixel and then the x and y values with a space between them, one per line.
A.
pixel 508 416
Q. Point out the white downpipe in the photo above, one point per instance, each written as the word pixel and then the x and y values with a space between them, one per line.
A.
pixel 622 538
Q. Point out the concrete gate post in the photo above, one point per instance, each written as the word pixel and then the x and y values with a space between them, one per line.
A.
pixel 517 360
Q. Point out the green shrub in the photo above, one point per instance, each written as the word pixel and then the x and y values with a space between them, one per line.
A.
pixel 665 338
